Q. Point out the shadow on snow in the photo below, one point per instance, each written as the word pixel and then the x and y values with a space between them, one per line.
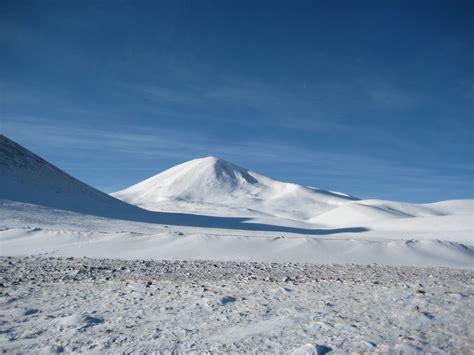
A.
pixel 124 211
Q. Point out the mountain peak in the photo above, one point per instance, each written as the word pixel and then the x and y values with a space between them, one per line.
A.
pixel 210 159
pixel 201 179
pixel 220 167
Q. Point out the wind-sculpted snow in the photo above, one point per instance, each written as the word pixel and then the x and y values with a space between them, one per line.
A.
pixel 32 230
pixel 11 209
pixel 116 306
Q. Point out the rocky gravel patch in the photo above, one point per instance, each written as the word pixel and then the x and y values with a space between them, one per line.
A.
pixel 116 306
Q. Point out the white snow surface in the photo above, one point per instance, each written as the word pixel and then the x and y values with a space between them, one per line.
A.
pixel 85 305
pixel 211 209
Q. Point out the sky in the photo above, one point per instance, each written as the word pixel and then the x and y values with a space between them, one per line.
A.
pixel 370 98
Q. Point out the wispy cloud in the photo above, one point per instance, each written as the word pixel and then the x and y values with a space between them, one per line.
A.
pixel 147 150
pixel 387 96
pixel 256 104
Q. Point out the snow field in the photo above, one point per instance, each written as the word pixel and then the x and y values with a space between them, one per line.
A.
pixel 111 306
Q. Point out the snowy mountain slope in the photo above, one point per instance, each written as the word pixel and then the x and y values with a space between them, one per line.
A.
pixel 453 207
pixel 365 212
pixel 216 187
pixel 26 177
pixel 197 183
pixel 352 213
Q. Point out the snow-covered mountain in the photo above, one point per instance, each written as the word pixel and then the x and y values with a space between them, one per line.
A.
pixel 25 177
pixel 209 183
pixel 214 186
pixel 212 179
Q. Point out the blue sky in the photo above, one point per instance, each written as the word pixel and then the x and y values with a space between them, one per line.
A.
pixel 371 98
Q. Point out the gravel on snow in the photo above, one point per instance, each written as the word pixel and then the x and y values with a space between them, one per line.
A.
pixel 113 306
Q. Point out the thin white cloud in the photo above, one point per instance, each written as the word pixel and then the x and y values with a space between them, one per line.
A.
pixel 149 150
pixel 386 96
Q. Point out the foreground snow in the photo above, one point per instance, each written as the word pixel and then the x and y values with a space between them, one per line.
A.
pixel 112 306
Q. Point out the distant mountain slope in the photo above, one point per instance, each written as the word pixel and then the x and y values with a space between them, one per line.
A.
pixel 212 179
pixel 216 187
pixel 25 177
pixel 365 212
pixel 215 181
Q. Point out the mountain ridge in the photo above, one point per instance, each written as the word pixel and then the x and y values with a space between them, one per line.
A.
pixel 26 177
